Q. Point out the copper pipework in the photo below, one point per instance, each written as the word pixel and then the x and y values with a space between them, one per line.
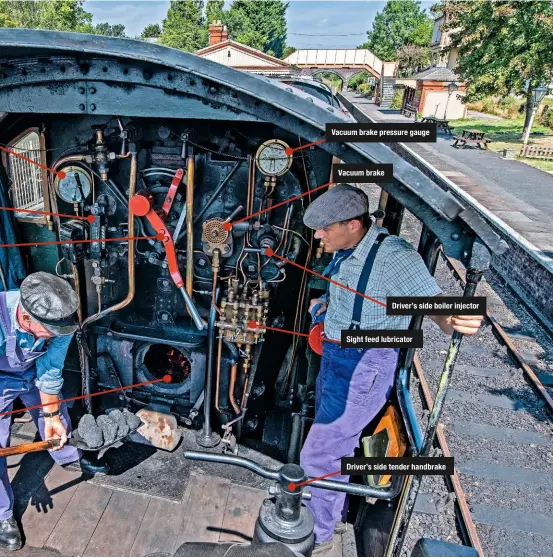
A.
pixel 77 287
pixel 190 225
pixel 218 373
pixel 130 253
pixel 232 384
pixel 215 263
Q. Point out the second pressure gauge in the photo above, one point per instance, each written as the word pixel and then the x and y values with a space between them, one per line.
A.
pixel 271 158
pixel 75 187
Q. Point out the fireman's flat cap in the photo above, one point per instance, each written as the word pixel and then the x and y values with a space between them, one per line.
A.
pixel 51 301
pixel 340 203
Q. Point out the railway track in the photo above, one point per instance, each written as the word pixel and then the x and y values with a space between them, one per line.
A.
pixel 497 424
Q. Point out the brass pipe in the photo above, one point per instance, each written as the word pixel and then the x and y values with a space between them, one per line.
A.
pixel 218 372
pixel 190 225
pixel 130 254
pixel 215 262
pixel 232 384
pixel 77 286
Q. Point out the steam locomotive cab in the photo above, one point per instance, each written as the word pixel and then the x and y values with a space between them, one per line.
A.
pixel 209 187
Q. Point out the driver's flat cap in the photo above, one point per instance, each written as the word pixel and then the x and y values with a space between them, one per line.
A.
pixel 51 301
pixel 340 203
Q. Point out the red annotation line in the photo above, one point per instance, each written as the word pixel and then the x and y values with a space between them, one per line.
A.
pixel 228 226
pixel 61 174
pixel 269 252
pixel 167 379
pixel 290 150
pixel 293 486
pixel 254 325
pixel 90 218
pixel 159 236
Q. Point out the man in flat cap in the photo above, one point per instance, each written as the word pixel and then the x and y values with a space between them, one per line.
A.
pixel 353 385
pixel 36 326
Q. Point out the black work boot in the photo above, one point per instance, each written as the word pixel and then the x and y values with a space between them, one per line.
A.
pixel 89 466
pixel 10 536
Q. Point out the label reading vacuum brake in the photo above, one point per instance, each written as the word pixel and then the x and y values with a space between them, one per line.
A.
pixel 381 338
pixel 435 305
pixel 397 465
pixel 363 173
pixel 381 132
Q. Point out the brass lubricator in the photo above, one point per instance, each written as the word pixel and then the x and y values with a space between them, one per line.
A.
pixel 215 237
pixel 238 309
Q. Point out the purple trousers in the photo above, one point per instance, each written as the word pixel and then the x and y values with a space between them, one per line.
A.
pixel 22 385
pixel 352 387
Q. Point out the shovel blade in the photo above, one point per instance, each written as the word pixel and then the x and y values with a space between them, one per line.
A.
pixel 158 429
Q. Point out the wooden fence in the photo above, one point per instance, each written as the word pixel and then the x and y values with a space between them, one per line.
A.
pixel 537 152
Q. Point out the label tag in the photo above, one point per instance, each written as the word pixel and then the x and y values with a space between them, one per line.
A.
pixel 397 465
pixel 381 132
pixel 363 173
pixel 435 305
pixel 381 338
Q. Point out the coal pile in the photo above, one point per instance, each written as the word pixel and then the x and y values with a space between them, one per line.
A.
pixel 105 429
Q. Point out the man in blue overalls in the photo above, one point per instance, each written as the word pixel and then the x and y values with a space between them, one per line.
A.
pixel 36 326
pixel 353 385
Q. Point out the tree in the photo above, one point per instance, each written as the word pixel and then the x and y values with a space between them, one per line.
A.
pixel 503 46
pixel 184 27
pixel 400 23
pixel 60 15
pixel 261 25
pixel 152 30
pixel 214 11
pixel 117 30
pixel 412 59
pixel 288 50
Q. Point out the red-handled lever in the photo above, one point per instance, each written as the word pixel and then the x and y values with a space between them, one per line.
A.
pixel 141 206
pixel 170 198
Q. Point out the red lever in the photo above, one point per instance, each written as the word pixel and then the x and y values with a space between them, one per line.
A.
pixel 141 206
pixel 167 204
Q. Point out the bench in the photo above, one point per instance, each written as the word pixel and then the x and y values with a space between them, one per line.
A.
pixel 441 124
pixel 463 141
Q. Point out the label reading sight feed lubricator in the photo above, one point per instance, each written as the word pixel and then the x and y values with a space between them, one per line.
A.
pixel 363 173
pixel 381 132
pixel 381 338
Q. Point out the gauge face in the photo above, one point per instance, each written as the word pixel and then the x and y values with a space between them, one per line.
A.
pixel 271 158
pixel 75 187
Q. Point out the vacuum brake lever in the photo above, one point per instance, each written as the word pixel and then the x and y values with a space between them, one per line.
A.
pixel 140 204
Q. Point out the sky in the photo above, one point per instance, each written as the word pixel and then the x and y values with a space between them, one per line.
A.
pixel 311 23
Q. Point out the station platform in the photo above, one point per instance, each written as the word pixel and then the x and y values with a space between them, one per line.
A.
pixel 518 194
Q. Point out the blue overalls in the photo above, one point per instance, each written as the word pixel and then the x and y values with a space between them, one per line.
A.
pixel 17 379
pixel 352 387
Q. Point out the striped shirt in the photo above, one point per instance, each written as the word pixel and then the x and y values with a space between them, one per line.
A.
pixel 398 270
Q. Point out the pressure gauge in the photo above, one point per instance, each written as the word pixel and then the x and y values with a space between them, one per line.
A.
pixel 76 185
pixel 271 158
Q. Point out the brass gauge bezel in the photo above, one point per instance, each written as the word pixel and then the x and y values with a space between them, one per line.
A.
pixel 74 168
pixel 265 145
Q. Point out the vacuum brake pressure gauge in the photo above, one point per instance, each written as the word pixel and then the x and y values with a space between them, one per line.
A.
pixel 75 187
pixel 271 158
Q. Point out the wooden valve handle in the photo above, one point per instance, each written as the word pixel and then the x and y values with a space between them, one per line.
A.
pixel 28 448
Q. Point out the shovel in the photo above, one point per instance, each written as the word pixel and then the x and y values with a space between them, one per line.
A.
pixel 75 441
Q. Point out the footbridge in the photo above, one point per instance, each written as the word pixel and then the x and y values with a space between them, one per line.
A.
pixel 343 62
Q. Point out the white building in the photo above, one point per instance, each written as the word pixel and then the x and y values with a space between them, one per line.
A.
pixel 241 57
